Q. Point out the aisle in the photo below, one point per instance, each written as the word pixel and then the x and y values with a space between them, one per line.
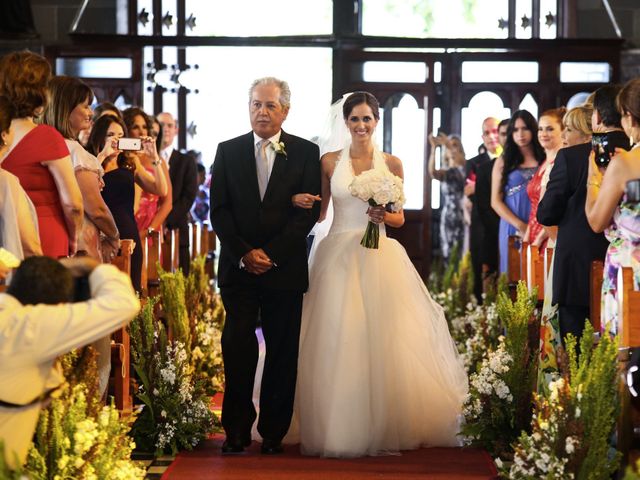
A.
pixel 428 463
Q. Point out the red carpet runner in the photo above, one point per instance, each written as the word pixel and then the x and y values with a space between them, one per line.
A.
pixel 428 463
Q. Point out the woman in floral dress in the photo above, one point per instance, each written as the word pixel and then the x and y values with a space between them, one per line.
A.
pixel 608 210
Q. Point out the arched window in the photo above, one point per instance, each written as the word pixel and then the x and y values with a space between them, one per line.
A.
pixel 482 105
pixel 529 103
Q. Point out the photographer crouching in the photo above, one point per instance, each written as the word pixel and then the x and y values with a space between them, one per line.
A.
pixel 50 308
pixel 607 207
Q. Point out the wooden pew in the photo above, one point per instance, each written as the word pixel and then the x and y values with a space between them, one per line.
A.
pixel 194 239
pixel 628 309
pixel 629 334
pixel 535 270
pixel 524 267
pixel 513 259
pixel 171 251
pixel 150 257
pixel 120 343
pixel 595 292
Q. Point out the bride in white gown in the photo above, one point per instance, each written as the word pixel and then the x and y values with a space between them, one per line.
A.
pixel 378 371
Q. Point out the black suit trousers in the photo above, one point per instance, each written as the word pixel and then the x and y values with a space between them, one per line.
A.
pixel 476 237
pixel 279 312
pixel 572 320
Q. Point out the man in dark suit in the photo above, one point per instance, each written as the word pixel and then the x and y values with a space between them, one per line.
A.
pixel 184 186
pixel 477 241
pixel 263 262
pixel 563 205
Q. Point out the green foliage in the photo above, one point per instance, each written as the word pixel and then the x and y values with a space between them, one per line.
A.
pixel 594 383
pixel 7 472
pixel 173 300
pixel 517 317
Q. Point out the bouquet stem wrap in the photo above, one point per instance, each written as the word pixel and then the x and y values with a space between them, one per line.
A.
pixel 371 237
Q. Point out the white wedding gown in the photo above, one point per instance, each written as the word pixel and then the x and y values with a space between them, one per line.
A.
pixel 378 371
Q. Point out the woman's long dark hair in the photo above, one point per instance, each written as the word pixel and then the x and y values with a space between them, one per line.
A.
pixel 512 155
pixel 98 138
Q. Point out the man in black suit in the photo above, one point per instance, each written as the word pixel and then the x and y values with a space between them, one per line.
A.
pixel 184 186
pixel 263 262
pixel 477 241
pixel 563 205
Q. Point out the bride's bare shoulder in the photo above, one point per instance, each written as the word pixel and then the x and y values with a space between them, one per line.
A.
pixel 394 164
pixel 329 160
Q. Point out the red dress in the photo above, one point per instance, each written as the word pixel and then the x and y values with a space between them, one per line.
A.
pixel 42 144
pixel 533 191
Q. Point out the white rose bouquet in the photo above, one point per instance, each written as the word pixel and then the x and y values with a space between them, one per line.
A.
pixel 377 187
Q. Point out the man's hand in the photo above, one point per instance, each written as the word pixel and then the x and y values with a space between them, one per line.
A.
pixel 4 271
pixel 79 266
pixel 304 200
pixel 256 261
pixel 470 188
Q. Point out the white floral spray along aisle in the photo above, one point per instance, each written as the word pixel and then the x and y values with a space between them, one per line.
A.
pixel 177 376
pixel 78 437
pixel 498 406
pixel 573 422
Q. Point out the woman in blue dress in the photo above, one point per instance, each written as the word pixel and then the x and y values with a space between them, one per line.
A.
pixel 511 174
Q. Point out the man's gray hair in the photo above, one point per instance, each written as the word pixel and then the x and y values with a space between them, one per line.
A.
pixel 285 92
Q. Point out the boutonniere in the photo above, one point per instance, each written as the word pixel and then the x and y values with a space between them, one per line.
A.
pixel 278 147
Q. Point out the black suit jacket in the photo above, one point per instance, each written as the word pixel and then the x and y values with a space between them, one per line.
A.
pixel 577 245
pixel 486 215
pixel 242 221
pixel 471 168
pixel 184 184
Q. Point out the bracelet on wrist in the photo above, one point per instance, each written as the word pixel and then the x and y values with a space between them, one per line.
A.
pixel 593 184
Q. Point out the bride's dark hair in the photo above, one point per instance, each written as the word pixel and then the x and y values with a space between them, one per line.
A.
pixel 358 98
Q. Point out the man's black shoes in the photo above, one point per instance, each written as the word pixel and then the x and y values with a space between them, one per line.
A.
pixel 235 446
pixel 271 447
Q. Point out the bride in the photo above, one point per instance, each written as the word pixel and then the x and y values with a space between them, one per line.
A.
pixel 378 371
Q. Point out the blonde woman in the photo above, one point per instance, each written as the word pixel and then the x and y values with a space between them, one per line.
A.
pixel 452 176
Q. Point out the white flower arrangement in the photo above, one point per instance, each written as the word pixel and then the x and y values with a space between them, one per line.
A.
pixel 537 455
pixel 377 187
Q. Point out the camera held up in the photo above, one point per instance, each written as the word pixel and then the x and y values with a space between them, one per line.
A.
pixel 604 145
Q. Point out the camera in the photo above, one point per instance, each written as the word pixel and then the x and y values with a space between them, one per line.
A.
pixel 82 289
pixel 130 144
pixel 604 145
pixel 632 191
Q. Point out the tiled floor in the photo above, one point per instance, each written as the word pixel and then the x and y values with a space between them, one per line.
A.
pixel 155 468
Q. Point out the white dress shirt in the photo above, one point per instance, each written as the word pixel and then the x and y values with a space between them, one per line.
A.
pixel 166 152
pixel 33 336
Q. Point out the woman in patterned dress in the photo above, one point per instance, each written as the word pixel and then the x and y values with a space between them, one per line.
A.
pixel 452 176
pixel 608 210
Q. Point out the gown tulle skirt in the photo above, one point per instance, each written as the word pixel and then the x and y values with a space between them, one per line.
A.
pixel 378 371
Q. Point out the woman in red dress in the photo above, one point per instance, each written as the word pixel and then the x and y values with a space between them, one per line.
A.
pixel 38 155
pixel 550 136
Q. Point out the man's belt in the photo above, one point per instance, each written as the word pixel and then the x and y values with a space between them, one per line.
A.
pixel 45 397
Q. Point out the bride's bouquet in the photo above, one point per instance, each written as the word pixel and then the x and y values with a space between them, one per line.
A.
pixel 377 187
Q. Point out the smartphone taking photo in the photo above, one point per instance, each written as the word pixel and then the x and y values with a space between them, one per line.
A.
pixel 129 144
pixel 604 145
